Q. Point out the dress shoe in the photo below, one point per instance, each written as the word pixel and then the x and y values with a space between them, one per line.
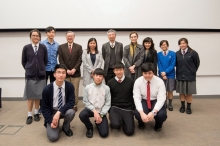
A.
pixel 75 108
pixel 68 133
pixel 182 109
pixel 170 107
pixel 158 126
pixel 188 111
pixel 29 120
pixel 37 117
pixel 89 133
pixel 141 126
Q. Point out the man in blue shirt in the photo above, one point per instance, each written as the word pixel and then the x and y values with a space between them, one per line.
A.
pixel 52 51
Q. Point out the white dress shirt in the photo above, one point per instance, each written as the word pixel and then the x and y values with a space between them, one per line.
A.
pixel 157 92
pixel 122 79
pixel 184 50
pixel 33 45
pixel 167 51
pixel 112 44
pixel 56 94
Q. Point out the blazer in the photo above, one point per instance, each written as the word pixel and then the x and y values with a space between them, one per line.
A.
pixel 35 70
pixel 47 101
pixel 151 58
pixel 137 61
pixel 73 60
pixel 88 66
pixel 106 54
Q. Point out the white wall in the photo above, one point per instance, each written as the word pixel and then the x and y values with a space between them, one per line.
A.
pixel 205 43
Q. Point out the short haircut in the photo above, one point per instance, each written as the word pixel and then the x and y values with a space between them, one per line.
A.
pixel 49 29
pixel 164 41
pixel 62 66
pixel 35 30
pixel 70 32
pixel 119 65
pixel 133 32
pixel 99 71
pixel 111 30
pixel 146 67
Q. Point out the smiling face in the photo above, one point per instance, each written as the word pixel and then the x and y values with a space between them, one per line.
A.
pixel 148 75
pixel 133 38
pixel 97 79
pixel 183 45
pixel 35 37
pixel 147 45
pixel 164 46
pixel 119 72
pixel 70 37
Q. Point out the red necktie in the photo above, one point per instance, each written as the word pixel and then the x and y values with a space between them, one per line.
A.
pixel 119 81
pixel 70 49
pixel 148 95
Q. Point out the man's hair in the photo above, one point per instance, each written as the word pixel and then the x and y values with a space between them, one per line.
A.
pixel 119 65
pixel 35 30
pixel 146 67
pixel 99 71
pixel 60 66
pixel 49 29
pixel 111 30
pixel 70 32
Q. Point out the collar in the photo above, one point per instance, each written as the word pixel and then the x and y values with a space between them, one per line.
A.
pixel 49 42
pixel 167 51
pixel 184 50
pixel 56 87
pixel 145 81
pixel 70 44
pixel 112 43
pixel 97 85
pixel 122 79
pixel 35 45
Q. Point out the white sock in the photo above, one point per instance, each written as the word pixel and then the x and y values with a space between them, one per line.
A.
pixel 36 111
pixel 29 114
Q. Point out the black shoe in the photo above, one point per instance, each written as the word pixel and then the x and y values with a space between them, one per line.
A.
pixel 68 133
pixel 188 111
pixel 170 107
pixel 89 133
pixel 37 117
pixel 158 126
pixel 29 120
pixel 182 109
pixel 141 126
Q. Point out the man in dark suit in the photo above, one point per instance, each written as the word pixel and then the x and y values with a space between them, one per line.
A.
pixel 70 54
pixel 112 52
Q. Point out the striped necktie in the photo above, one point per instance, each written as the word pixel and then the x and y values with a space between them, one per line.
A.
pixel 60 99
pixel 35 50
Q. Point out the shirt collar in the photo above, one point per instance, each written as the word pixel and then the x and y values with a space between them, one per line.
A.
pixel 33 45
pixel 122 79
pixel 49 42
pixel 70 44
pixel 145 81
pixel 112 43
pixel 57 87
pixel 184 50
pixel 166 52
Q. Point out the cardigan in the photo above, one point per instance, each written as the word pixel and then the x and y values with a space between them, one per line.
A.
pixel 47 101
pixel 151 57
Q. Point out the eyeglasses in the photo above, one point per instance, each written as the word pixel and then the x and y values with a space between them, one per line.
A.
pixel 36 36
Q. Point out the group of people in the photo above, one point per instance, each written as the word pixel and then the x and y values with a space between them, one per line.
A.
pixel 122 90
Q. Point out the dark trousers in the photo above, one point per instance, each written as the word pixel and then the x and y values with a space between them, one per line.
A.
pixel 159 118
pixel 102 127
pixel 109 75
pixel 50 73
pixel 119 117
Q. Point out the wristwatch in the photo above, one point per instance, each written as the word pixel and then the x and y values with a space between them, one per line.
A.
pixel 101 115
pixel 154 113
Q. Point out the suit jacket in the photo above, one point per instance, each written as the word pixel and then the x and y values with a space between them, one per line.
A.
pixel 152 58
pixel 47 101
pixel 137 61
pixel 106 54
pixel 73 60
pixel 88 66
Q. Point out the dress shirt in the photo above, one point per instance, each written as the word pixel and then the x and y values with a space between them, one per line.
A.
pixel 184 50
pixel 167 51
pixel 123 77
pixel 56 94
pixel 157 92
pixel 52 51
pixel 97 97
pixel 33 45
pixel 71 45
pixel 112 44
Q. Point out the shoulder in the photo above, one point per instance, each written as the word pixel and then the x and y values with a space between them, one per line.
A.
pixel 63 45
pixel 43 42
pixel 106 87
pixel 27 46
pixel 111 81
pixel 129 80
pixel 85 51
pixel 42 46
pixel 77 45
pixel 48 87
pixel 68 84
pixel 118 43
pixel 140 46
pixel 139 80
pixel 158 80
pixel 127 46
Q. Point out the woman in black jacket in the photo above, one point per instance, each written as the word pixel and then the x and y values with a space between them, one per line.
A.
pixel 150 54
pixel 187 64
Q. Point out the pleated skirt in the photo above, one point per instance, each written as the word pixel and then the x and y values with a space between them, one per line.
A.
pixel 170 85
pixel 186 87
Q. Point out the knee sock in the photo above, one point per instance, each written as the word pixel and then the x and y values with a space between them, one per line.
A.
pixel 183 103
pixel 170 101
pixel 188 105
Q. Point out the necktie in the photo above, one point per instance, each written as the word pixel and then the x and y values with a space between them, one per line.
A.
pixel 70 49
pixel 119 80
pixel 148 95
pixel 184 52
pixel 165 53
pixel 60 99
pixel 35 50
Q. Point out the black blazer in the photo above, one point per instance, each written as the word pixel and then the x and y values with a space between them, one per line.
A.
pixel 152 58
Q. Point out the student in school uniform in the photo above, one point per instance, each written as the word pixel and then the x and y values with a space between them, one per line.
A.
pixel 34 61
pixel 166 64
pixel 92 59
pixel 187 64
pixel 150 54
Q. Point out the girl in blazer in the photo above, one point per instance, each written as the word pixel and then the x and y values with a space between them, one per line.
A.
pixel 133 57
pixel 166 65
pixel 92 59
pixel 187 64
pixel 150 54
